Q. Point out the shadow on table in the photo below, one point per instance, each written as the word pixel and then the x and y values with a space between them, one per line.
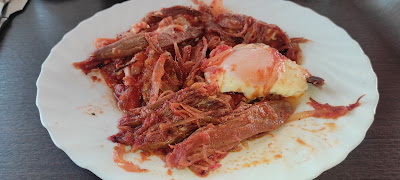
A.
pixel 104 3
pixel 109 3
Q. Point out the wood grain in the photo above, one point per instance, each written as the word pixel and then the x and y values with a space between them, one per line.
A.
pixel 27 152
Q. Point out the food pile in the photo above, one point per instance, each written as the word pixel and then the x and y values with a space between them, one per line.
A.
pixel 194 84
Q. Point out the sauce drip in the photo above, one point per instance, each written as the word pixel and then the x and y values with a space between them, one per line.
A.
pixel 118 156
pixel 303 143
pixel 144 156
pixel 169 172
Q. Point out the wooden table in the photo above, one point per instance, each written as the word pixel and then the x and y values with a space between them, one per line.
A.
pixel 27 152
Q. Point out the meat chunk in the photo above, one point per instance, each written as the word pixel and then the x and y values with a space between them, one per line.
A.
pixel 316 81
pixel 135 43
pixel 202 150
pixel 173 117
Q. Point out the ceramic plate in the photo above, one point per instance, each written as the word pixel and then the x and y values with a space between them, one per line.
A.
pixel 303 149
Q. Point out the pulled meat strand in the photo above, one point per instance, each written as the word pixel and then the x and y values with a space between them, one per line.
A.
pixel 165 22
pixel 178 56
pixel 217 56
pixel 199 57
pixel 234 22
pixel 153 42
pixel 132 68
pixel 213 42
pixel 327 111
pixel 158 72
pixel 217 7
pixel 324 111
pixel 186 52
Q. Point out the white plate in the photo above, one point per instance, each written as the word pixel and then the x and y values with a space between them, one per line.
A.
pixel 298 150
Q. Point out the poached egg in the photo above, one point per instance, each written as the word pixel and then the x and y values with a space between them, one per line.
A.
pixel 255 70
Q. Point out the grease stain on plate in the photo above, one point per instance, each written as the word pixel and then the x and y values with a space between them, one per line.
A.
pixel 92 109
pixel 267 149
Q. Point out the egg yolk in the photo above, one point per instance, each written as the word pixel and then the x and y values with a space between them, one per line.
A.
pixel 257 66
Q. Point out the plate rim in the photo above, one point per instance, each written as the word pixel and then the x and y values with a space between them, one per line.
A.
pixel 85 21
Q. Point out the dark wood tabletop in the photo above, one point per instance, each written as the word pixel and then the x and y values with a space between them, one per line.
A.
pixel 27 152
